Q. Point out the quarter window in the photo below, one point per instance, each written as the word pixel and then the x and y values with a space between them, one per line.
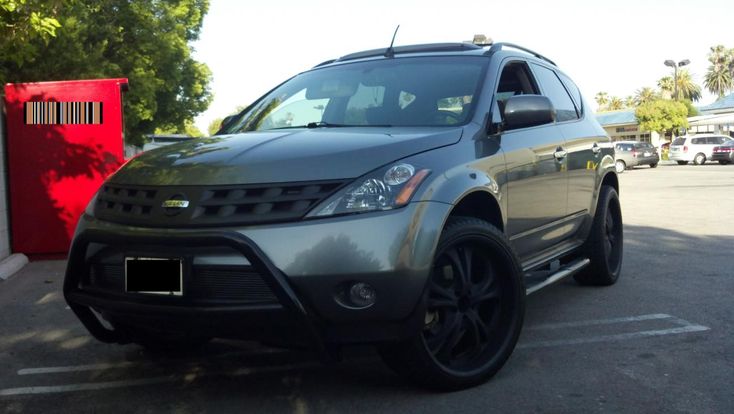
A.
pixel 574 91
pixel 556 92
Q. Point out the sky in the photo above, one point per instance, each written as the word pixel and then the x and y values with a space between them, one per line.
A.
pixel 613 46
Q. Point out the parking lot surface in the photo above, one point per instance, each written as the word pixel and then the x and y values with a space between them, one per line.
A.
pixel 660 340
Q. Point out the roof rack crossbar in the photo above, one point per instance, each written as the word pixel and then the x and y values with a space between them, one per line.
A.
pixel 496 47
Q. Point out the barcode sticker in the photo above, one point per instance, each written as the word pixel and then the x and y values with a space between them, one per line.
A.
pixel 55 113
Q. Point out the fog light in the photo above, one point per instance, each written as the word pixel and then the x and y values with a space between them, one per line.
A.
pixel 361 295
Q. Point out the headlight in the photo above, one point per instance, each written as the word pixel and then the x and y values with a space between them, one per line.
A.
pixel 384 189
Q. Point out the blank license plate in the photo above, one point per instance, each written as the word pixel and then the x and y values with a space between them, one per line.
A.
pixel 647 154
pixel 153 275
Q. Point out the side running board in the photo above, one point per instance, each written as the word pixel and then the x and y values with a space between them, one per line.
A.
pixel 537 280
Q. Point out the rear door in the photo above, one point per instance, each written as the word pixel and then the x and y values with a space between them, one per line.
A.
pixel 581 143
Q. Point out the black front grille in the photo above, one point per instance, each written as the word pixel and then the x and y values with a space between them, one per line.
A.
pixel 230 283
pixel 185 206
pixel 206 283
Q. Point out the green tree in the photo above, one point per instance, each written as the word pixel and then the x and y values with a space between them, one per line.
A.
pixel 23 24
pixel 214 126
pixel 666 86
pixel 687 88
pixel 188 128
pixel 662 116
pixel 719 78
pixel 645 95
pixel 629 102
pixel 146 41
pixel 602 100
pixel 615 104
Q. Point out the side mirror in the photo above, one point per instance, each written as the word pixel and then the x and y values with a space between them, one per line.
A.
pixel 522 111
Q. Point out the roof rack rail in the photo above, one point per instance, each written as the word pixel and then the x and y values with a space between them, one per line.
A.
pixel 325 63
pixel 496 47
pixel 431 47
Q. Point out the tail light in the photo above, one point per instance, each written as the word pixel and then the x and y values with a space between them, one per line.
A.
pixel 717 149
pixel 685 148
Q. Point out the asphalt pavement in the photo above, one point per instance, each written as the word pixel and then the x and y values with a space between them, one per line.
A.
pixel 660 340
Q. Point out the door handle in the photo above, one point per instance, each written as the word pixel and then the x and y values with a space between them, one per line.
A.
pixel 560 153
pixel 595 148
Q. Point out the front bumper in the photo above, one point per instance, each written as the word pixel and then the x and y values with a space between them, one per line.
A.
pixel 303 265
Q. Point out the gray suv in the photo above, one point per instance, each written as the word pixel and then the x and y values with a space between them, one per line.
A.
pixel 408 197
pixel 630 154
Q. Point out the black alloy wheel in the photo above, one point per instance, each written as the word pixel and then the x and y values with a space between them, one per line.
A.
pixel 464 307
pixel 475 303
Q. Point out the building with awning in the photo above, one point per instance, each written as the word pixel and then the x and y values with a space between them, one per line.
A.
pixel 715 118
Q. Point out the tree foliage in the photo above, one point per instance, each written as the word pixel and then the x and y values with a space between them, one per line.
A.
pixel 719 78
pixel 662 115
pixel 146 41
pixel 23 26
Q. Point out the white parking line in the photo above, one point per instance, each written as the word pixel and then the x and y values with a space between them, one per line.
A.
pixel 578 324
pixel 51 389
pixel 188 377
pixel 684 327
pixel 76 368
pixel 128 364
pixel 617 337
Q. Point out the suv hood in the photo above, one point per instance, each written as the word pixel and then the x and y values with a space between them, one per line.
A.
pixel 281 156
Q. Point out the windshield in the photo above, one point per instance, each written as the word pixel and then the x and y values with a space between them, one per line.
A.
pixel 420 91
pixel 679 141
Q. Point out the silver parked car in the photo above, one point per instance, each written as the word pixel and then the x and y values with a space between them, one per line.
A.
pixel 696 148
pixel 628 154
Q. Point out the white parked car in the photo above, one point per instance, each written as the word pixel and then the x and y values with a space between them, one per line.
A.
pixel 696 148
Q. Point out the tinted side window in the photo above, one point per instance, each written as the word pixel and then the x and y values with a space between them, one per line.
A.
pixel 515 79
pixel 574 91
pixel 556 92
pixel 698 141
pixel 679 141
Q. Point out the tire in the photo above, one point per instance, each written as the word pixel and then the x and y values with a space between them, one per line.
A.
pixel 654 165
pixel 475 305
pixel 699 159
pixel 682 162
pixel 604 245
pixel 723 162
pixel 620 166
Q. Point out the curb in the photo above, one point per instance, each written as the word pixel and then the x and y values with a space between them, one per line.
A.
pixel 12 264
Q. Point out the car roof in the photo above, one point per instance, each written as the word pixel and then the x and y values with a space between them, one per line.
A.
pixel 441 49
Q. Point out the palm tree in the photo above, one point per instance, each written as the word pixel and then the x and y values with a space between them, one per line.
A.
pixel 666 87
pixel 719 78
pixel 602 100
pixel 629 101
pixel 687 88
pixel 645 95
pixel 615 104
